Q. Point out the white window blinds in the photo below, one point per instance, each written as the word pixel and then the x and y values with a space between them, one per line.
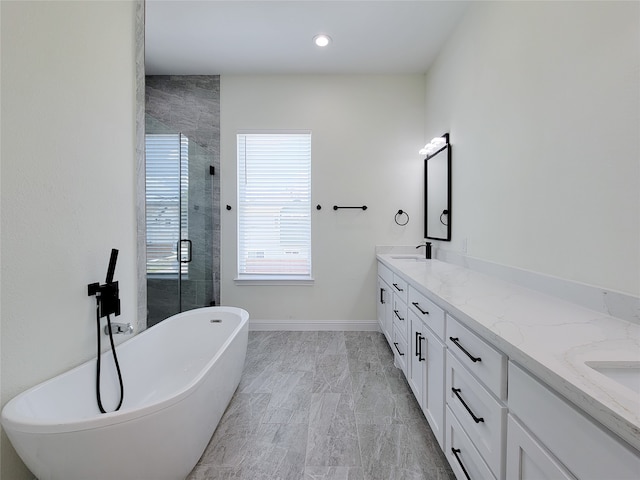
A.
pixel 167 180
pixel 274 205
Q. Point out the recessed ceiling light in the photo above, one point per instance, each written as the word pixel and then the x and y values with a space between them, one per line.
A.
pixel 322 40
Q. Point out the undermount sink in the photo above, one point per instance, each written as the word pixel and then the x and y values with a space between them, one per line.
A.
pixel 411 258
pixel 626 374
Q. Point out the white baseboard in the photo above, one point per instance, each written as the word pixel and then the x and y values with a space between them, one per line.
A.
pixel 314 325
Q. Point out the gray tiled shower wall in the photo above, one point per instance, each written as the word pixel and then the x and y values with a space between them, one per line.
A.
pixel 190 104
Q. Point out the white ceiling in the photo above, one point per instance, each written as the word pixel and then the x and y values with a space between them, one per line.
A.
pixel 211 37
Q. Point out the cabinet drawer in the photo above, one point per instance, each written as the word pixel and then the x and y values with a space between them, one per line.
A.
pixel 585 448
pixel 399 287
pixel 478 412
pixel 464 459
pixel 385 273
pixel 400 320
pixel 431 314
pixel 400 350
pixel 484 361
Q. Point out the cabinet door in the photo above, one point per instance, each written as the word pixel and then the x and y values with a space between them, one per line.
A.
pixel 569 434
pixel 527 459
pixel 417 359
pixel 433 401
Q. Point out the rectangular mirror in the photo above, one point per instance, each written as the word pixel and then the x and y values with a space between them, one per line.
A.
pixel 437 196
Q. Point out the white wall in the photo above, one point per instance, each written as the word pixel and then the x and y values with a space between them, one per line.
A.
pixel 68 191
pixel 366 131
pixel 542 102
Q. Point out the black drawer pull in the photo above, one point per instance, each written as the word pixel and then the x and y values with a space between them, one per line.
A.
pixel 456 451
pixel 399 317
pixel 456 340
pixel 397 287
pixel 396 345
pixel 382 296
pixel 415 304
pixel 456 392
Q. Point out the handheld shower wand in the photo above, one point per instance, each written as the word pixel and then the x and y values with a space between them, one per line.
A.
pixel 108 302
pixel 111 270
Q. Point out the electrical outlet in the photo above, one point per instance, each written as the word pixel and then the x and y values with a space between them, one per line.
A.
pixel 465 244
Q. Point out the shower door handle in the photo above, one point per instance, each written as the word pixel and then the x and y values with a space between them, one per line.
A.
pixel 189 248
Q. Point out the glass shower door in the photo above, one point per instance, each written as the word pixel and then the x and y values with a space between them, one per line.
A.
pixel 179 212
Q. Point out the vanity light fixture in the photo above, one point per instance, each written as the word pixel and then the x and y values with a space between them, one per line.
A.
pixel 434 146
pixel 322 40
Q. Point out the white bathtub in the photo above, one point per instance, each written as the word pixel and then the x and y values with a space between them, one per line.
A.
pixel 179 377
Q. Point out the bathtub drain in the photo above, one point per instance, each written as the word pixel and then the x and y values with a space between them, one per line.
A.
pixel 215 320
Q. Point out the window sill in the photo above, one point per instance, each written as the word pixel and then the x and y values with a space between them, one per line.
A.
pixel 250 280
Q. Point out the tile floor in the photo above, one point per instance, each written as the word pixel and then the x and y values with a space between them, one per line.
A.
pixel 322 406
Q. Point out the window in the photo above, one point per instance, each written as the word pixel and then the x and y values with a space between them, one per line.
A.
pixel 167 180
pixel 274 206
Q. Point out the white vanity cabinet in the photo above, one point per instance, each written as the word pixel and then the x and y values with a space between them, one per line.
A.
pixel 493 419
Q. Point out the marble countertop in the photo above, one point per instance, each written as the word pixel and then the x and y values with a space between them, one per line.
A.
pixel 550 337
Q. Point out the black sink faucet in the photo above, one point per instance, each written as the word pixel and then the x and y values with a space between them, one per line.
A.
pixel 427 251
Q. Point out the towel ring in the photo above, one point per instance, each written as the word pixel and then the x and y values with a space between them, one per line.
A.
pixel 401 212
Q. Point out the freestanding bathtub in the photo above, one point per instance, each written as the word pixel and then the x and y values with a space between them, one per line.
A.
pixel 178 376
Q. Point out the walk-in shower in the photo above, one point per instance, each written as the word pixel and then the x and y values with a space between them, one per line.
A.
pixel 182 194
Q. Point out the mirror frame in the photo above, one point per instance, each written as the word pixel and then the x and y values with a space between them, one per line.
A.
pixel 447 147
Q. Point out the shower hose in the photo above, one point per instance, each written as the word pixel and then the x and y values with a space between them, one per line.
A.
pixel 115 359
